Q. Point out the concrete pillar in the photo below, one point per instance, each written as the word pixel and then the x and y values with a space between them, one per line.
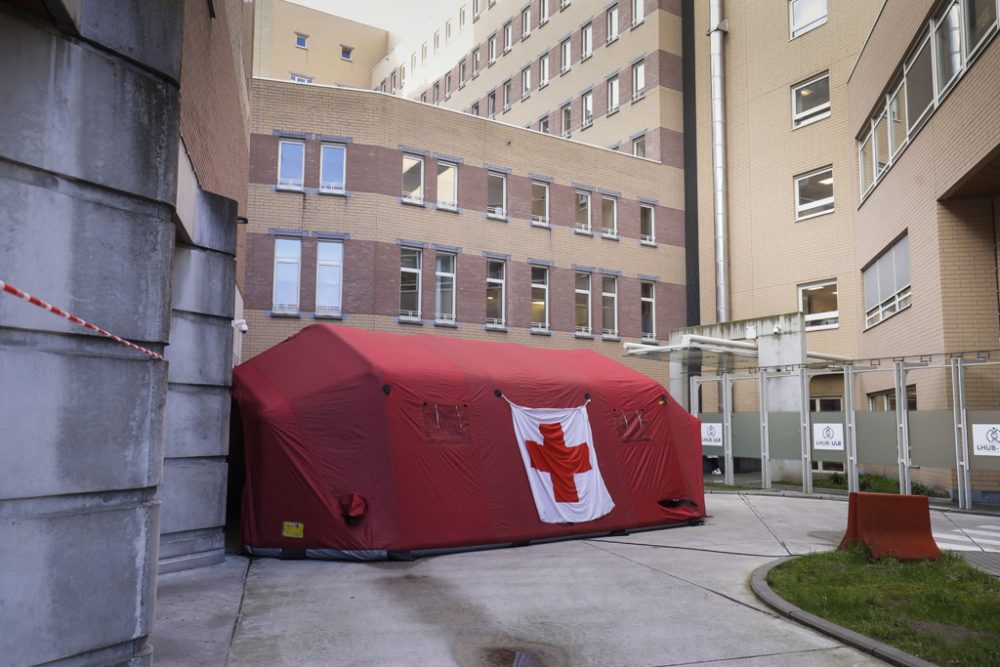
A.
pixel 87 185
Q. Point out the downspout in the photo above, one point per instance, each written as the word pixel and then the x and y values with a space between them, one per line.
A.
pixel 717 30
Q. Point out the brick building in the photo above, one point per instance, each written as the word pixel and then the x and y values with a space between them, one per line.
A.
pixel 470 227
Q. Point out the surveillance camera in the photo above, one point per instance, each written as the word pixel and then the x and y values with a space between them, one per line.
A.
pixel 776 329
pixel 241 325
pixel 244 328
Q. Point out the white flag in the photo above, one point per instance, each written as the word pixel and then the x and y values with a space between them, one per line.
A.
pixel 557 448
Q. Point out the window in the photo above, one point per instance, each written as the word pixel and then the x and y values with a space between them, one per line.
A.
pixel 413 179
pixel 639 146
pixel 508 36
pixel 881 143
pixel 567 56
pixel 496 195
pixel 447 31
pixel 919 86
pixel 881 401
pixel 543 71
pixel 492 48
pixel 638 12
pixel 329 277
pixel 814 193
pixel 447 185
pixel 392 83
pixel 461 17
pixel 447 85
pixel 818 301
pixel 612 95
pixel 647 228
pixel 563 4
pixel 804 15
pixel 826 404
pixel 865 163
pixel 980 21
pixel 612 19
pixel 287 263
pixel 301 78
pixel 526 82
pixel 444 288
pixel 811 100
pixel 491 104
pixel 583 323
pixel 567 116
pixel 948 45
pixel 897 119
pixel 539 298
pixel 476 7
pixel 301 41
pixel 887 283
pixel 402 75
pixel 609 216
pixel 291 164
pixel 647 309
pixel 543 12
pixel 638 80
pixel 609 305
pixel 437 92
pixel 539 203
pixel 543 124
pixel 587 105
pixel 525 21
pixel 413 62
pixel 495 289
pixel 346 52
pixel 587 41
pixel 475 62
pixel 409 283
pixel 582 219
pixel 461 74
pixel 474 110
pixel 507 95
pixel 423 53
pixel 423 97
pixel 437 41
pixel 332 177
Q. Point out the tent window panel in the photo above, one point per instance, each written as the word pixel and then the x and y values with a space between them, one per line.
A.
pixel 446 424
pixel 633 424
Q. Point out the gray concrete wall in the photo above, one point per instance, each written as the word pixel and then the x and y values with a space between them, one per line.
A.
pixel 200 353
pixel 88 162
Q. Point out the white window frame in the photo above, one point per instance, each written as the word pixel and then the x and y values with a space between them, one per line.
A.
pixel 614 98
pixel 447 31
pixel 651 237
pixel 461 18
pixel 891 304
pixel 638 12
pixel 508 36
pixel 491 50
pixel 508 95
pixel 611 20
pixel 491 104
pixel 526 82
pixel 807 211
pixel 543 12
pixel 612 331
pixel 566 117
pixel 502 282
pixel 794 31
pixel 638 76
pixel 447 204
pixel 542 221
pixel 495 212
pixel 819 112
pixel 438 274
pixel 540 326
pixel 292 184
pixel 544 124
pixel 437 41
pixel 590 211
pixel 402 76
pixel 410 315
pixel 613 234
pixel 589 327
pixel 586 41
pixel 286 308
pixel 476 7
pixel 566 53
pixel 300 78
pixel 651 300
pixel 815 317
pixel 586 110
pixel 305 41
pixel 526 22
pixel 543 71
pixel 323 310
pixel 635 142
pixel 462 71
pixel 475 62
pixel 419 199
pixel 324 184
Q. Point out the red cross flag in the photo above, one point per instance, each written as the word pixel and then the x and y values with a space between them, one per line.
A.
pixel 557 448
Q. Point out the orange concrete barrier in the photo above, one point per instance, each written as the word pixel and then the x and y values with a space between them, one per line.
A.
pixel 897 526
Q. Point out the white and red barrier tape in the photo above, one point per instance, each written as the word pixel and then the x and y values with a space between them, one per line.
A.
pixel 10 289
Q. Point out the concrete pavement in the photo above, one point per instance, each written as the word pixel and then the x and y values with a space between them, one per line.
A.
pixel 668 597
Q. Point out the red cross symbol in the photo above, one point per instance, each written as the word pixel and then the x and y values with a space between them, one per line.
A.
pixel 560 461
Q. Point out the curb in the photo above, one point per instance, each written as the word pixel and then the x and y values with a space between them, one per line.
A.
pixel 890 654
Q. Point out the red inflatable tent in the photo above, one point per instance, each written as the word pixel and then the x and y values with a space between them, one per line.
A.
pixel 366 445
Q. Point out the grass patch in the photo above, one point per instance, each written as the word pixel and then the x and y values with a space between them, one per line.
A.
pixel 719 486
pixel 870 483
pixel 944 611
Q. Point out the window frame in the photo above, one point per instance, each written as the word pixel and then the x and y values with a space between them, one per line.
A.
pixel 638 13
pixel 544 287
pixel 566 117
pixel 795 32
pixel 411 316
pixel 606 331
pixel 614 102
pixel 543 70
pixel 420 160
pixel 566 56
pixel 491 49
pixel 305 41
pixel 638 92
pixel 888 305
pixel 586 109
pixel 613 29
pixel 820 112
pixel 447 205
pixel 639 141
pixel 526 82
pixel 613 234
pixel 806 211
pixel 651 300
pixel 462 73
pixel 583 195
pixel 508 95
pixel 287 308
pixel 323 310
pixel 440 317
pixel 587 329
pixel 495 212
pixel 825 315
pixel 508 36
pixel 330 186
pixel 587 41
pixel 540 221
pixel 502 282
pixel 475 62
pixel 543 12
pixel 526 22
pixel 651 237
pixel 291 184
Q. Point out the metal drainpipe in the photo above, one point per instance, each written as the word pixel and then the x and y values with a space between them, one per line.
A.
pixel 717 30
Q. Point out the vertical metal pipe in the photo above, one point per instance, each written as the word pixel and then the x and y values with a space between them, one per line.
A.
pixel 851 428
pixel 960 412
pixel 765 432
pixel 727 427
pixel 805 438
pixel 716 31
pixel 902 427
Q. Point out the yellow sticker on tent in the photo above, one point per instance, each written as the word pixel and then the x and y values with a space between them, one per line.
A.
pixel 292 529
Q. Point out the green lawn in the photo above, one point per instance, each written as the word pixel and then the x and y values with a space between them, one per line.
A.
pixel 868 482
pixel 944 611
